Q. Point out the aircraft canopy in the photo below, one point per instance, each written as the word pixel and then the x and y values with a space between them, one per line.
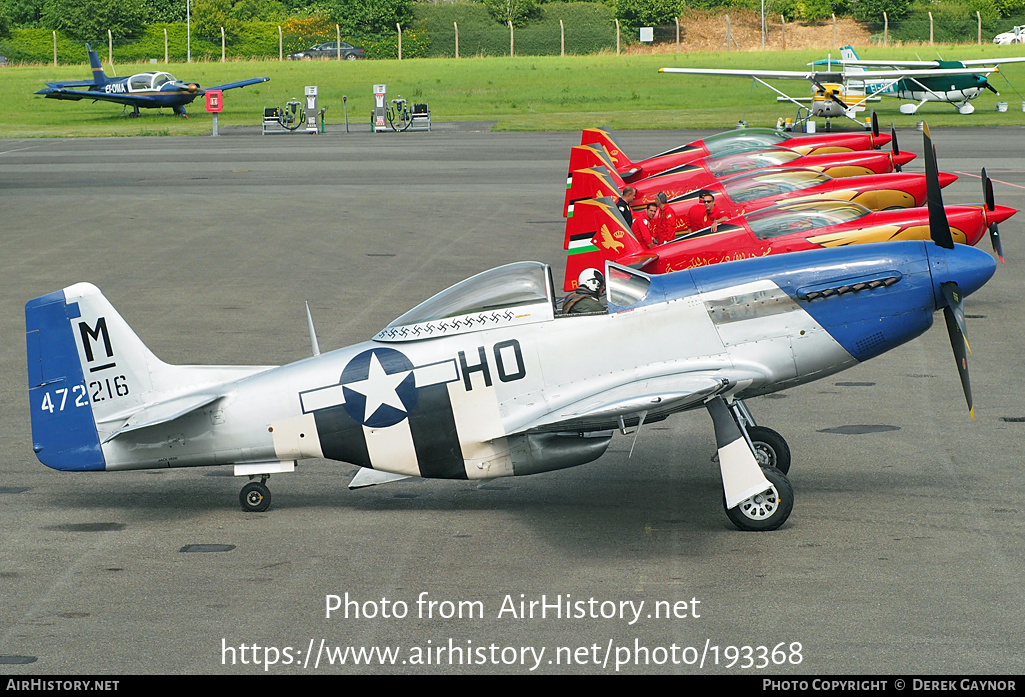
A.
pixel 789 219
pixel 748 187
pixel 509 286
pixel 746 161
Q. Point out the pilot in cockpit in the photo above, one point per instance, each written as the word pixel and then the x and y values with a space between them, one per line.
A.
pixel 589 296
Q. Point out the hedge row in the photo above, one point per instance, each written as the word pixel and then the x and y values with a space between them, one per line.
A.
pixel 947 28
pixel 589 28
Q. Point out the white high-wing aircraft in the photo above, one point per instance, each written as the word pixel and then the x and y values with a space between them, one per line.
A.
pixel 487 379
pixel 843 87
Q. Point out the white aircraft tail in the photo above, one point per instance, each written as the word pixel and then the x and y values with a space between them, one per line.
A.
pixel 92 378
pixel 848 54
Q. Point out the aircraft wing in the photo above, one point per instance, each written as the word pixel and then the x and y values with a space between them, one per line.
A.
pixel 901 74
pixel 992 61
pixel 653 396
pixel 74 83
pixel 763 74
pixel 233 85
pixel 923 65
pixel 76 95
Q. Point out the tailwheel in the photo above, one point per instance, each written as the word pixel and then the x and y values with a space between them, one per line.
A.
pixel 770 449
pixel 255 497
pixel 767 510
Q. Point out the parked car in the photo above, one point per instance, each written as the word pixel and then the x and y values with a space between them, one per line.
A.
pixel 1015 36
pixel 3 61
pixel 329 49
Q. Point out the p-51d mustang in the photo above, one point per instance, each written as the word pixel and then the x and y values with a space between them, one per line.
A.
pixel 153 90
pixel 477 382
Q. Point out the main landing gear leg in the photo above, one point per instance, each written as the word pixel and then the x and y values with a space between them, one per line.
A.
pixel 255 496
pixel 769 447
pixel 755 497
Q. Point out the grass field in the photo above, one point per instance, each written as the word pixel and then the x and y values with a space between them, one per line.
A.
pixel 522 93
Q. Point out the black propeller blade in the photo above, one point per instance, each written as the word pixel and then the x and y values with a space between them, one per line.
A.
pixel 875 124
pixel 939 227
pixel 994 232
pixel 953 314
pixel 953 311
pixel 829 93
pixel 893 145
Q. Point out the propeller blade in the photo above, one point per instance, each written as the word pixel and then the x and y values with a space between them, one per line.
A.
pixel 953 314
pixel 875 124
pixel 829 93
pixel 994 237
pixel 939 227
pixel 893 145
pixel 990 199
pixel 990 87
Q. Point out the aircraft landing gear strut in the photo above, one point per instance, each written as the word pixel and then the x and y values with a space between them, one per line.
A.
pixel 769 447
pixel 757 496
pixel 255 496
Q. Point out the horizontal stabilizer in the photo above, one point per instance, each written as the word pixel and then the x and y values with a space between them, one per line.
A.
pixel 162 412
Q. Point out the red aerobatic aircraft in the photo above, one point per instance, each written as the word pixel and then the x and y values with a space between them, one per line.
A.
pixel 762 188
pixel 778 229
pixel 701 173
pixel 730 141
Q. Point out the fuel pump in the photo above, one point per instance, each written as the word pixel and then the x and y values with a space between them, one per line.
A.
pixel 379 117
pixel 311 109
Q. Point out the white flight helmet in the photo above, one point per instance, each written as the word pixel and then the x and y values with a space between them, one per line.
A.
pixel 591 279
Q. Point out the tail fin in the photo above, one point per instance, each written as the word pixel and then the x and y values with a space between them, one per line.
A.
pixel 99 77
pixel 597 232
pixel 592 182
pixel 91 378
pixel 604 138
pixel 847 53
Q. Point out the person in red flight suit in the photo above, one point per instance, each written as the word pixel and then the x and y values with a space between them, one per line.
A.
pixel 705 214
pixel 642 225
pixel 663 225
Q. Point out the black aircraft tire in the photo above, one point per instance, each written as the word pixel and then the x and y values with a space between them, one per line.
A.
pixel 771 450
pixel 254 497
pixel 768 510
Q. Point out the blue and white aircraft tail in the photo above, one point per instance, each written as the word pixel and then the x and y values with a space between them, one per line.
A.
pixel 91 379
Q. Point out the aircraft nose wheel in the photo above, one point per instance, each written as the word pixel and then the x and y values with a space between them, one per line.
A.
pixel 770 448
pixel 254 497
pixel 767 510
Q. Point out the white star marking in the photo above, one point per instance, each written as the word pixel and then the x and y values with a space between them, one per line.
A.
pixel 379 388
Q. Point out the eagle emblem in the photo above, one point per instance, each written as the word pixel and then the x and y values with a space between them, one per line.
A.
pixel 608 241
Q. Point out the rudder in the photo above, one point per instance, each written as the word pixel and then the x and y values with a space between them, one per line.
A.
pixel 85 364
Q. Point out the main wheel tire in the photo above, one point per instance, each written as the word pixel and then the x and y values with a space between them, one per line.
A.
pixel 767 510
pixel 254 497
pixel 770 448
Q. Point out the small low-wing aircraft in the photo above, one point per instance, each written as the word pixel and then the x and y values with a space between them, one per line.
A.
pixel 477 382
pixel 778 229
pixel 844 87
pixel 152 90
pixel 700 174
pixel 721 143
pixel 746 193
